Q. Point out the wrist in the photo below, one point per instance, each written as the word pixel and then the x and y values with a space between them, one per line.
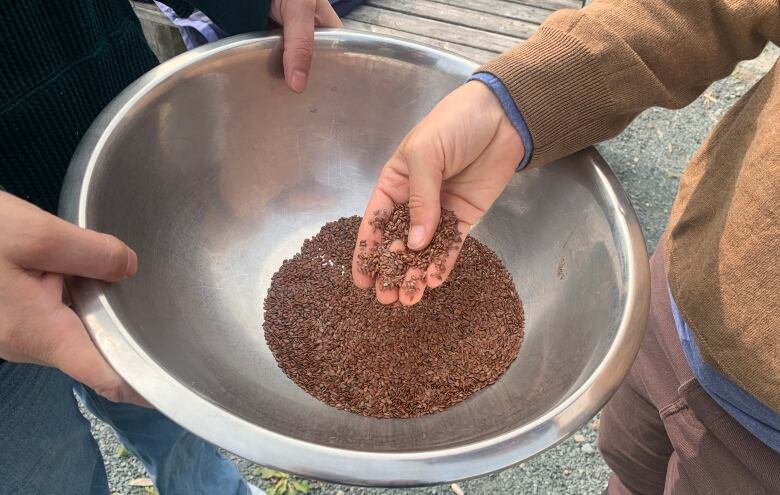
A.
pixel 510 110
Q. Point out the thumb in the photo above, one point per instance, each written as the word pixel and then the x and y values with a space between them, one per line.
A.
pixel 425 182
pixel 298 24
pixel 61 247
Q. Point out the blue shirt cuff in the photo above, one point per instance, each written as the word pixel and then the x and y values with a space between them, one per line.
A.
pixel 510 107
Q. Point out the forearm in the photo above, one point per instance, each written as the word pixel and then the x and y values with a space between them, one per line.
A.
pixel 586 74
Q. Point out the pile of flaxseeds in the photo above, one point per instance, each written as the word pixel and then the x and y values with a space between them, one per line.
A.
pixel 346 349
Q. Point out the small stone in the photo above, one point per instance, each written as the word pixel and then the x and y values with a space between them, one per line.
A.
pixel 140 482
pixel 588 448
pixel 579 438
pixel 456 489
pixel 339 492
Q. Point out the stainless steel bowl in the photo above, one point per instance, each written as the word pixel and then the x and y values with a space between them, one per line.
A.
pixel 214 172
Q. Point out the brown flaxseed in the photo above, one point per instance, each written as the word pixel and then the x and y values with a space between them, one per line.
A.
pixel 346 349
pixel 390 266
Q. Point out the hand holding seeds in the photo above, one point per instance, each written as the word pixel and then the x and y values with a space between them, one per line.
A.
pixel 458 158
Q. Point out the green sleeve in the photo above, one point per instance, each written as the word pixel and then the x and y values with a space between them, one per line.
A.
pixel 232 16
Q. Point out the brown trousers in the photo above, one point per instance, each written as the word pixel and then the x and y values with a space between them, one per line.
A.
pixel 661 433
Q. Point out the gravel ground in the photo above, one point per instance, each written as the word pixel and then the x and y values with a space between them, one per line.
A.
pixel 649 158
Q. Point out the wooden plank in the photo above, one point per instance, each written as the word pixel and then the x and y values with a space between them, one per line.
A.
pixel 458 16
pixel 511 10
pixel 475 54
pixel 551 4
pixel 433 29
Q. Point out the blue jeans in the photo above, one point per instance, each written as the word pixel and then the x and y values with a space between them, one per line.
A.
pixel 46 446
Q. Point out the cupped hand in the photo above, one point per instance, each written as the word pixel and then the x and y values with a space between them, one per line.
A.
pixel 460 157
pixel 36 250
pixel 298 19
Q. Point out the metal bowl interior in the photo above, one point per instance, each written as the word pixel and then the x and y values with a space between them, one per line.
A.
pixel 214 172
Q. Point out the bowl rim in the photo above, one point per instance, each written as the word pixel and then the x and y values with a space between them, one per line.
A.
pixel 266 447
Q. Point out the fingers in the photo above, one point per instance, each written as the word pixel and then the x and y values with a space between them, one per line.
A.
pixel 50 244
pixel 38 328
pixel 298 25
pixel 412 288
pixel 368 237
pixel 434 277
pixel 389 295
pixel 385 295
pixel 77 356
pixel 424 203
pixel 325 16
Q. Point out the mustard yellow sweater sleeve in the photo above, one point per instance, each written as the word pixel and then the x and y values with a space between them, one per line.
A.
pixel 587 73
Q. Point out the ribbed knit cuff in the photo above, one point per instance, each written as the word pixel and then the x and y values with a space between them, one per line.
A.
pixel 558 86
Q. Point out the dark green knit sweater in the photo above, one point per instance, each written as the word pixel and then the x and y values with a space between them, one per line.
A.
pixel 61 62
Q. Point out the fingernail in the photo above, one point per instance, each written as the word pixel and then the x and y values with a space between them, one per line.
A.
pixel 132 263
pixel 416 237
pixel 298 81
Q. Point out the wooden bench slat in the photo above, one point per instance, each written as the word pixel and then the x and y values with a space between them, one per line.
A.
pixel 458 16
pixel 551 5
pixel 511 10
pixel 475 54
pixel 433 29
